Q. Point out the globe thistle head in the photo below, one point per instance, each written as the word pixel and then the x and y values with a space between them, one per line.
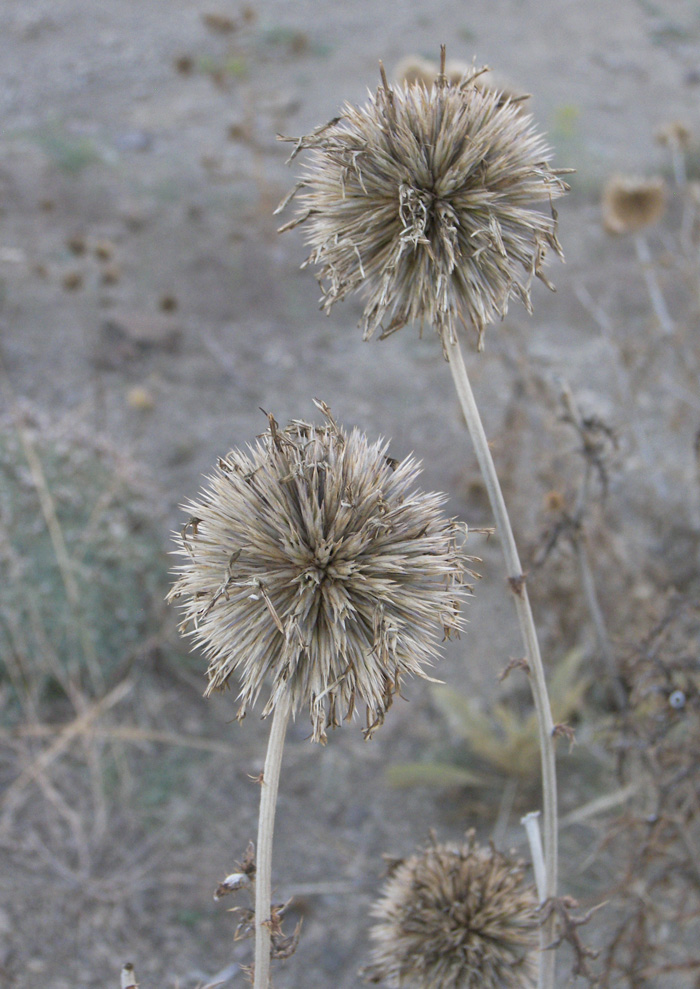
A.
pixel 422 199
pixel 314 563
pixel 631 204
pixel 456 917
pixel 675 134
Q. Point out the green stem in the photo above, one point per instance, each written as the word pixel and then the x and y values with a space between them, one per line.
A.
pixel 516 581
pixel 266 826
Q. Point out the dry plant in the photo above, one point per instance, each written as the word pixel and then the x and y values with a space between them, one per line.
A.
pixel 422 200
pixel 82 555
pixel 655 841
pixel 456 917
pixel 76 525
pixel 498 745
pixel 632 205
pixel 569 523
pixel 314 564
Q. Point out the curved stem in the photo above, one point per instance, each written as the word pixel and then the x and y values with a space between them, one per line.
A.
pixel 266 826
pixel 516 581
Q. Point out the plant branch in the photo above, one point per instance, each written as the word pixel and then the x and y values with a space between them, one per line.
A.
pixel 516 581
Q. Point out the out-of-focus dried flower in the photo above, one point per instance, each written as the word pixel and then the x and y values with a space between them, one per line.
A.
pixel 456 917
pixel 631 204
pixel 414 68
pixel 674 134
pixel 314 561
pixel 423 200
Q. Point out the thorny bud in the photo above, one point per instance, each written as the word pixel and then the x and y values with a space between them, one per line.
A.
pixel 312 561
pixel 422 200
pixel 456 917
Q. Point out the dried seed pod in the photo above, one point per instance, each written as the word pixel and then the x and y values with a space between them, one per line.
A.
pixel 631 204
pixel 456 917
pixel 421 199
pixel 314 562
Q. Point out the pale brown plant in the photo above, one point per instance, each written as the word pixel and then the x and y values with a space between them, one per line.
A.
pixel 312 560
pixel 456 917
pixel 631 204
pixel 422 200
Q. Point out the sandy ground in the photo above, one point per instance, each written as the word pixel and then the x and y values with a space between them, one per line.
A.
pixel 144 290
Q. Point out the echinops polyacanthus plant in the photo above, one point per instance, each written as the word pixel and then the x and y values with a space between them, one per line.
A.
pixel 427 202
pixel 315 568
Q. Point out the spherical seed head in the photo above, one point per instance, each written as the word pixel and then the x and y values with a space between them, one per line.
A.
pixel 631 204
pixel 313 562
pixel 422 199
pixel 456 917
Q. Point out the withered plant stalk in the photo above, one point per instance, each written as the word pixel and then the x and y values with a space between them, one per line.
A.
pixel 421 200
pixel 269 785
pixel 658 303
pixel 516 582
pixel 315 567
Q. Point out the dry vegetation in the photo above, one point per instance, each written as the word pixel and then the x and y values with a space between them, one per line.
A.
pixel 126 797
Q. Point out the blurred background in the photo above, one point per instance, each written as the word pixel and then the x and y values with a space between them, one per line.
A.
pixel 149 310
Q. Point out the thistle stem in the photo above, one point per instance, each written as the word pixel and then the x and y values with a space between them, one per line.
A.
pixel 516 581
pixel 532 828
pixel 266 826
pixel 653 288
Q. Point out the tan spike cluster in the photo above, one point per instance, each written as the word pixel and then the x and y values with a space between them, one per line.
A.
pixel 313 562
pixel 456 917
pixel 422 200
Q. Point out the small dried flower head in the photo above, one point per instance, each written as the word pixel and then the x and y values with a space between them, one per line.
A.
pixel 456 917
pixel 313 561
pixel 631 204
pixel 422 199
pixel 674 134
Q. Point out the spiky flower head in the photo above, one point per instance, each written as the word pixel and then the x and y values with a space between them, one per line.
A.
pixel 313 562
pixel 422 199
pixel 630 204
pixel 456 917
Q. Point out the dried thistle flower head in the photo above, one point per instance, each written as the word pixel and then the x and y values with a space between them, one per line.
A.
pixel 422 199
pixel 314 562
pixel 675 133
pixel 456 917
pixel 631 204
